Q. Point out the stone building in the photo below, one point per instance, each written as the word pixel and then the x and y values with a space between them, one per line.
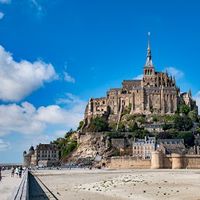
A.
pixel 44 155
pixel 29 157
pixel 155 93
pixel 124 145
pixel 142 148
pixel 169 146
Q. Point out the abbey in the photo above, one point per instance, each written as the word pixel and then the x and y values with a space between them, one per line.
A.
pixel 155 93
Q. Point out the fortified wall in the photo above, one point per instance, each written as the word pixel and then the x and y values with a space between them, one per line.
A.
pixel 128 162
pixel 158 161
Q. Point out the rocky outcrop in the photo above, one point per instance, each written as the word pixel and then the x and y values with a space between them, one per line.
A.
pixel 91 147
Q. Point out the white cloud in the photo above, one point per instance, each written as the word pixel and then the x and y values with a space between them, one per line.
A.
pixel 174 72
pixel 70 99
pixel 68 78
pixel 197 98
pixel 19 79
pixel 28 120
pixel 5 1
pixel 1 15
pixel 4 145
pixel 71 114
pixel 138 77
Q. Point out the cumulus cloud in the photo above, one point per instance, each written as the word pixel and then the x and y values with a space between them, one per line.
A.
pixel 68 78
pixel 5 1
pixel 197 98
pixel 175 72
pixel 4 145
pixel 27 119
pixel 138 77
pixel 19 79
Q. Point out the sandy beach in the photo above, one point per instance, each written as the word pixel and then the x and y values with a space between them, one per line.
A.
pixel 8 185
pixel 122 184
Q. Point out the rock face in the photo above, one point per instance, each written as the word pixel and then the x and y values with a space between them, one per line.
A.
pixel 91 147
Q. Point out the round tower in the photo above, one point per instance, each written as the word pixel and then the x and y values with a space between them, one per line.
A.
pixel 31 150
pixel 156 160
pixel 177 161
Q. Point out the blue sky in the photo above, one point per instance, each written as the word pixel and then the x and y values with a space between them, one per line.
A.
pixel 56 54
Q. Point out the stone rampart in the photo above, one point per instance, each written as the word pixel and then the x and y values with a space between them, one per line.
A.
pixel 158 161
pixel 127 162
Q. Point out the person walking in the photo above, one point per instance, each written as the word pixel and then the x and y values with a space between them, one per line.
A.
pixel 0 173
pixel 12 172
pixel 20 172
pixel 17 171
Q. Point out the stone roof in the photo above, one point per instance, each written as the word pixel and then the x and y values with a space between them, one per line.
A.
pixel 169 146
pixel 47 147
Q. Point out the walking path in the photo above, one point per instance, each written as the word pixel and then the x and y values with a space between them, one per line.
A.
pixel 8 185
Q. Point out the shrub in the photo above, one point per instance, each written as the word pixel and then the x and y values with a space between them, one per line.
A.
pixel 183 123
pixel 187 136
pixel 184 109
pixel 98 124
pixel 80 125
pixel 193 115
pixel 68 148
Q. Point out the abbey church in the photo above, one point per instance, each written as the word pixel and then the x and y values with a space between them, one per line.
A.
pixel 155 93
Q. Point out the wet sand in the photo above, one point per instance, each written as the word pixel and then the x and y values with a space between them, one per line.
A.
pixel 123 184
pixel 8 185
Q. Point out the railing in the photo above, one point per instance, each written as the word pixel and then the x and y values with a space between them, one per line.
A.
pixel 31 188
pixel 22 192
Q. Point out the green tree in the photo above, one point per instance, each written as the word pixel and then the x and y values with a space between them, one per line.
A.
pixel 193 115
pixel 68 148
pixel 69 133
pixel 121 127
pixel 155 118
pixel 141 119
pixel 98 124
pixel 80 125
pixel 133 127
pixel 184 109
pixel 187 136
pixel 166 126
pixel 183 123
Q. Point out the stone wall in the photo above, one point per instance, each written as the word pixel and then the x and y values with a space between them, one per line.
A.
pixel 128 163
pixel 192 161
pixel 158 161
pixel 174 161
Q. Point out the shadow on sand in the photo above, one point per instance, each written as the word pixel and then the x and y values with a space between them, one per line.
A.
pixel 35 190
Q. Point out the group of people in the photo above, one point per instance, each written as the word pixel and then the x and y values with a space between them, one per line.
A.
pixel 16 171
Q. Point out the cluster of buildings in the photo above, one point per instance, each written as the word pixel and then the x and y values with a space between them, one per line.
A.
pixel 143 148
pixel 44 155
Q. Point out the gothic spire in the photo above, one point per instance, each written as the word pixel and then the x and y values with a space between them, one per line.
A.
pixel 149 62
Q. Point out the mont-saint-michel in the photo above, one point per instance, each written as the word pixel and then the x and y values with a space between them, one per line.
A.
pixel 155 93
pixel 146 125
pixel 99 100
